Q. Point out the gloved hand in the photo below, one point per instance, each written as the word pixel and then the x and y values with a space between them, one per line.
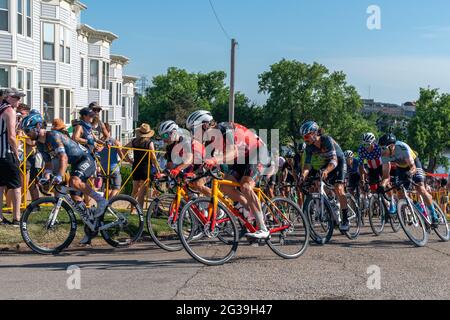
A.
pixel 91 141
pixel 159 175
pixel 57 180
pixel 175 172
pixel 189 175
pixel 210 163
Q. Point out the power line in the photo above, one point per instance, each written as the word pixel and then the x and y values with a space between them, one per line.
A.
pixel 218 20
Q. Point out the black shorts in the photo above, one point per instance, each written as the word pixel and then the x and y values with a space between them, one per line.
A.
pixel 141 173
pixel 402 174
pixel 337 176
pixel 353 181
pixel 84 169
pixel 238 171
pixel 10 173
pixel 375 175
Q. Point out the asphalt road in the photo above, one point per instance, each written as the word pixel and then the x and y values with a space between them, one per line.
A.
pixel 335 271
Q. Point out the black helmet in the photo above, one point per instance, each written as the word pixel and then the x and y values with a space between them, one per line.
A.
pixel 387 140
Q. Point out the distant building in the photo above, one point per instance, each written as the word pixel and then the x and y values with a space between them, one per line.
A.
pixel 408 109
pixel 63 65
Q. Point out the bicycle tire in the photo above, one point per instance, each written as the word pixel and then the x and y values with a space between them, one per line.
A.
pixel 309 213
pixel 404 205
pixel 377 200
pixel 300 217
pixel 190 245
pixel 109 234
pixel 443 232
pixel 355 231
pixel 24 226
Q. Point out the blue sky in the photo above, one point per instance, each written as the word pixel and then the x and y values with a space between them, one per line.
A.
pixel 411 50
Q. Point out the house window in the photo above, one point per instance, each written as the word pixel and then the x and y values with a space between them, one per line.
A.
pixel 82 72
pixel 4 77
pixel 49 104
pixel 94 73
pixel 20 17
pixel 110 94
pixel 29 84
pixel 61 44
pixel 67 41
pixel 20 79
pixel 4 15
pixel 29 25
pixel 105 74
pixel 124 107
pixel 49 41
pixel 65 103
pixel 68 106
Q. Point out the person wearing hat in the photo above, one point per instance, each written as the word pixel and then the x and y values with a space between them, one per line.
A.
pixel 83 133
pixel 142 161
pixel 9 152
pixel 99 128
pixel 59 125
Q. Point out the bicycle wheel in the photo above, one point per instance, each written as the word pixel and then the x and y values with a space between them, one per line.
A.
pixel 47 229
pixel 443 230
pixel 123 222
pixel 162 230
pixel 413 224
pixel 214 247
pixel 377 215
pixel 292 242
pixel 354 218
pixel 320 221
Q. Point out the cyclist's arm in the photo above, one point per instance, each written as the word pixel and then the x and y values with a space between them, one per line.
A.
pixel 412 165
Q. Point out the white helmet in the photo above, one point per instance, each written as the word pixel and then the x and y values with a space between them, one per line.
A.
pixel 349 154
pixel 198 117
pixel 369 138
pixel 167 127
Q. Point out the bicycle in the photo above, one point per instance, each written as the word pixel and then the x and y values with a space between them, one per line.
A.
pixel 415 215
pixel 164 210
pixel 218 220
pixel 49 225
pixel 379 214
pixel 324 214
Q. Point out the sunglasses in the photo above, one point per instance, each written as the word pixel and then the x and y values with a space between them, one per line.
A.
pixel 166 136
pixel 308 136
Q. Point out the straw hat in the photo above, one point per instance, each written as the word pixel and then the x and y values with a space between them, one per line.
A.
pixel 58 125
pixel 144 131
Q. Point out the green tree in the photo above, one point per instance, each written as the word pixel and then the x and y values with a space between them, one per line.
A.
pixel 299 92
pixel 428 131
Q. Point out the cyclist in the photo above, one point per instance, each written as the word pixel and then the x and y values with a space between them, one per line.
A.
pixel 370 152
pixel 408 167
pixel 54 145
pixel 183 154
pixel 353 165
pixel 238 149
pixel 288 173
pixel 335 168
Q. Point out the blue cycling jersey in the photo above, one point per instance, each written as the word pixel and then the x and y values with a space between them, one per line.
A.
pixel 56 144
pixel 354 168
pixel 329 151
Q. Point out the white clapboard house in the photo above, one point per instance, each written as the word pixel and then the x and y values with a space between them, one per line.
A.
pixel 62 64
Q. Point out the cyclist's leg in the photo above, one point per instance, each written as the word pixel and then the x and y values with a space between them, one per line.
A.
pixel 337 178
pixel 234 175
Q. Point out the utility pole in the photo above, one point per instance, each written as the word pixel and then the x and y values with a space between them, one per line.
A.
pixel 232 79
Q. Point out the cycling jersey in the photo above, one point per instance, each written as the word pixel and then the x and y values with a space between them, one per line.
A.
pixel 373 158
pixel 329 151
pixel 354 168
pixel 403 153
pixel 56 144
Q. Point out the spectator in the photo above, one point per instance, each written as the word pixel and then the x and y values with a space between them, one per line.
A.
pixel 9 154
pixel 83 133
pixel 114 156
pixel 99 127
pixel 59 125
pixel 141 163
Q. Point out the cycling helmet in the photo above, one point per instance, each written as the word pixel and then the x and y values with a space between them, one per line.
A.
pixel 290 154
pixel 167 127
pixel 387 140
pixel 32 121
pixel 369 138
pixel 349 154
pixel 309 127
pixel 198 117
